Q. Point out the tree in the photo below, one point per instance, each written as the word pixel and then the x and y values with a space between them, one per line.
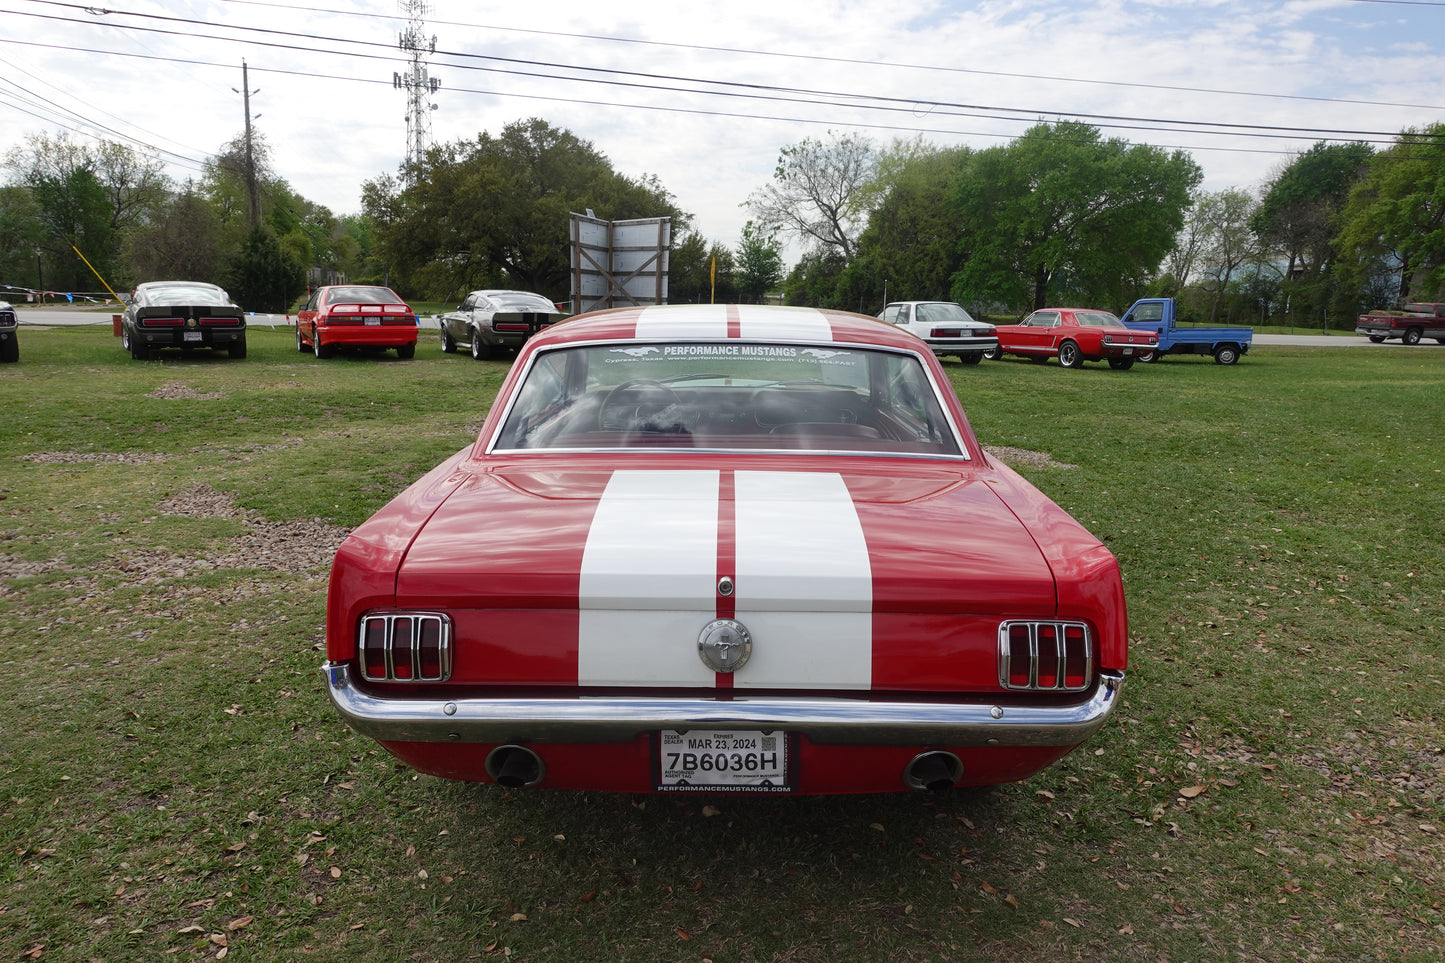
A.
pixel 1397 212
pixel 21 231
pixel 87 198
pixel 263 277
pixel 182 241
pixel 495 211
pixel 911 242
pixel 759 263
pixel 820 192
pixel 1297 214
pixel 698 273
pixel 1060 202
pixel 1228 242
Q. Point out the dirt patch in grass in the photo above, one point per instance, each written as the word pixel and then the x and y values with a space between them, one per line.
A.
pixel 91 457
pixel 179 389
pixel 1022 456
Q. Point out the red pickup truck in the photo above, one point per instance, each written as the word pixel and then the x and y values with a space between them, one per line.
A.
pixel 1416 321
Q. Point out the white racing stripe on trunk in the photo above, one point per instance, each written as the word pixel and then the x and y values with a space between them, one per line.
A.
pixel 804 582
pixel 802 324
pixel 690 321
pixel 648 580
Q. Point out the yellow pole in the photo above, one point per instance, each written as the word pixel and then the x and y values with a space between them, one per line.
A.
pixel 96 273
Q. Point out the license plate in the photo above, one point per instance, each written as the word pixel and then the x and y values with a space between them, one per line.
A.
pixel 371 322
pixel 723 760
pixel 1128 351
pixel 191 335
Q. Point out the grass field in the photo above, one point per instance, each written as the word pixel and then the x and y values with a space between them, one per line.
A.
pixel 175 785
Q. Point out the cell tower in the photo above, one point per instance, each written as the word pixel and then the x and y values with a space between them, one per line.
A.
pixel 418 85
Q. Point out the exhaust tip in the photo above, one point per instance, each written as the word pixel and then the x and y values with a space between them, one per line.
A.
pixel 934 771
pixel 515 767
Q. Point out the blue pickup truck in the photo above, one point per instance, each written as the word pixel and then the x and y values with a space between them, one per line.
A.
pixel 1227 345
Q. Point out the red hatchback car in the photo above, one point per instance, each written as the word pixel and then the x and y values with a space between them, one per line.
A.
pixel 356 316
pixel 1076 335
pixel 725 548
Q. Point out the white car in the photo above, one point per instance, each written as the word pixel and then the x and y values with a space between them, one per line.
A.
pixel 946 326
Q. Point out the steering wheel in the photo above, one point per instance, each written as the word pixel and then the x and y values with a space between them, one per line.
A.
pixel 640 389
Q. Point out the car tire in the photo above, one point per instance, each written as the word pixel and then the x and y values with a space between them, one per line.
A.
pixel 971 357
pixel 1226 354
pixel 10 350
pixel 1149 357
pixel 317 348
pixel 1070 356
pixel 1121 364
pixel 480 351
pixel 406 351
pixel 1377 338
pixel 300 341
pixel 1412 336
pixel 449 344
pixel 237 349
pixel 138 348
pixel 992 354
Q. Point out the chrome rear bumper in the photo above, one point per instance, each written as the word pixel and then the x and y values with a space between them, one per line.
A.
pixel 620 718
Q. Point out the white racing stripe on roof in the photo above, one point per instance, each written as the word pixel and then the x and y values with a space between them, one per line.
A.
pixel 683 321
pixel 804 582
pixel 648 580
pixel 804 324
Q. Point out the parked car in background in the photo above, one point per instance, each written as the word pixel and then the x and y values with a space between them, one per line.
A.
pixel 945 325
pixel 9 326
pixel 356 316
pixel 1075 335
pixel 1226 344
pixel 491 322
pixel 182 314
pixel 725 548
pixel 1412 324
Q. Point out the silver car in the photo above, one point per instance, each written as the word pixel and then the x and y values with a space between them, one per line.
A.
pixel 494 322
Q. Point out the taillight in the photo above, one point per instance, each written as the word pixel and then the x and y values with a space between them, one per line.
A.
pixel 162 322
pixel 1045 656
pixel 406 647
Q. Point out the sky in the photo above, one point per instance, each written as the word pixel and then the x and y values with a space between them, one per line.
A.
pixel 703 96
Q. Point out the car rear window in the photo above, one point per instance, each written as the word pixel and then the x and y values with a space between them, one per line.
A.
pixel 728 395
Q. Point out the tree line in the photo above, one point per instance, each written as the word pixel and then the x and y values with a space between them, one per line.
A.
pixel 1060 214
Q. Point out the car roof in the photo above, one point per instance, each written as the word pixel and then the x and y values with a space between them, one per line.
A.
pixel 717 322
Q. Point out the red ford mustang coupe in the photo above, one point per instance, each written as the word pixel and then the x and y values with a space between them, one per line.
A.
pixel 1076 335
pixel 725 549
pixel 356 316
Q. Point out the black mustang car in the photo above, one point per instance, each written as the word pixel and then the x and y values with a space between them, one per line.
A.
pixel 182 314
pixel 9 346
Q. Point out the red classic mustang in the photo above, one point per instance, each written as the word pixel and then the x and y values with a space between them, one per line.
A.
pixel 1076 335
pixel 725 549
pixel 356 315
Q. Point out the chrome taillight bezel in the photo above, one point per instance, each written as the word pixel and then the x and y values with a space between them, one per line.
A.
pixel 1041 655
pixel 405 646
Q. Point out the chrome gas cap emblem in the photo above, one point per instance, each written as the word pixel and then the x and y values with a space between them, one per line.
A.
pixel 724 645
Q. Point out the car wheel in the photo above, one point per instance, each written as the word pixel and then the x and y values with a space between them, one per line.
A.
pixel 1149 357
pixel 971 357
pixel 1377 338
pixel 1069 355
pixel 992 354
pixel 237 349
pixel 405 351
pixel 320 350
pixel 1121 364
pixel 479 349
pixel 1226 354
pixel 10 350
pixel 138 348
pixel 300 341
pixel 1412 336
pixel 449 344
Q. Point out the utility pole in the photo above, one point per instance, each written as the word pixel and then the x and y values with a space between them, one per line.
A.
pixel 419 86
pixel 255 203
